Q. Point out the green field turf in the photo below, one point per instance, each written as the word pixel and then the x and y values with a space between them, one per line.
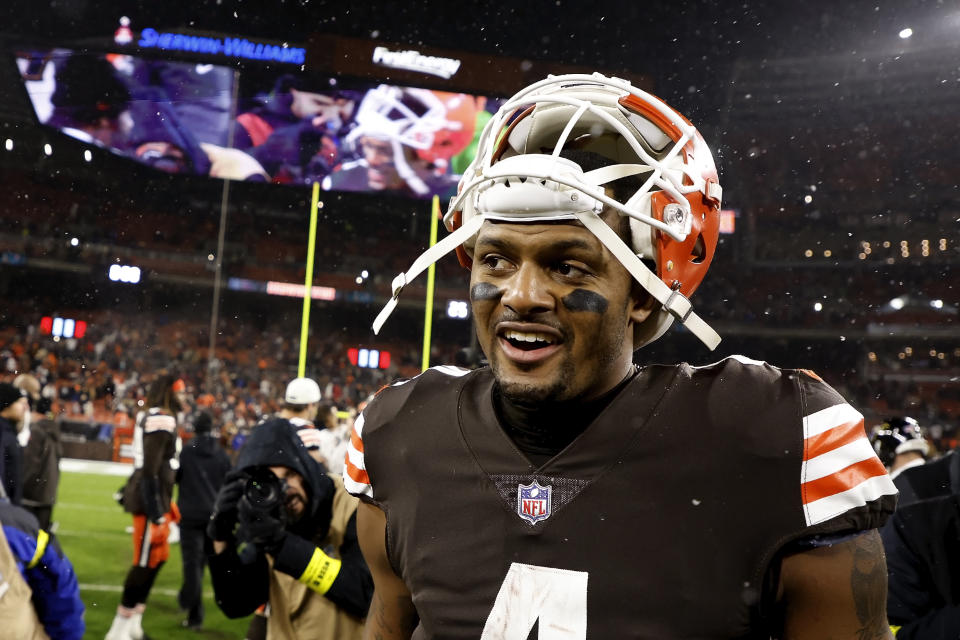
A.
pixel 92 533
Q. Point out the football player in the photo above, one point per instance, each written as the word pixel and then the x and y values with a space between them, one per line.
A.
pixel 900 444
pixel 563 492
pixel 406 138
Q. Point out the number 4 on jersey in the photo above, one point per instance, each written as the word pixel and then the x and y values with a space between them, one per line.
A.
pixel 555 597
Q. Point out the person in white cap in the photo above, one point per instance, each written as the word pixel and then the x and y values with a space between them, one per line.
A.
pixel 301 401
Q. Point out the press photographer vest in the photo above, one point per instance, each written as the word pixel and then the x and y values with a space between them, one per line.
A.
pixel 298 612
pixel 19 618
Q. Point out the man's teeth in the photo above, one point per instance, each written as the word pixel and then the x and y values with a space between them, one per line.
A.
pixel 521 336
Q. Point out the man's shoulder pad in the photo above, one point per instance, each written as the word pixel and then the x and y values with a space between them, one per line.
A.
pixel 159 422
pixel 391 399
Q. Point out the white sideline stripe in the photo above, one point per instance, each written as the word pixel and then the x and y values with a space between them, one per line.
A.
pixel 870 489
pixel 826 419
pixel 357 488
pixel 100 467
pixel 833 461
pixel 89 507
pixel 356 457
pixel 91 534
pixel 172 593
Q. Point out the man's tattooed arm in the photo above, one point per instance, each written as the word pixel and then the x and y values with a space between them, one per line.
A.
pixel 836 592
pixel 868 580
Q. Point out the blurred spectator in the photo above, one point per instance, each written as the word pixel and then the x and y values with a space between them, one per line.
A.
pixel 335 428
pixel 13 409
pixel 301 401
pixel 148 496
pixel 922 543
pixel 406 138
pixel 900 444
pixel 39 594
pixel 203 465
pixel 199 94
pixel 88 100
pixel 41 455
pixel 289 103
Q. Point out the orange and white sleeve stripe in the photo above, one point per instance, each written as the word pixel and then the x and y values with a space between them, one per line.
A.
pixel 355 478
pixel 840 470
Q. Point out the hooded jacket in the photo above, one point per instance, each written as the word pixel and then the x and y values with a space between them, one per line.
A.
pixel 274 442
pixel 327 530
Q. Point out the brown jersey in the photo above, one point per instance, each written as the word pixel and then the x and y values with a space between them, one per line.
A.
pixel 660 520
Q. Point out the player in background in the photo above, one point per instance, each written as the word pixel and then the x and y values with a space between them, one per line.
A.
pixel 148 497
pixel 900 445
pixel 564 492
pixel 301 402
pixel 405 139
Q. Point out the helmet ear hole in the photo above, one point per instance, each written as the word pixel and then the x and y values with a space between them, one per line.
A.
pixel 699 252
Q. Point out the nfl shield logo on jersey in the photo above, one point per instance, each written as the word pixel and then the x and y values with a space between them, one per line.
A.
pixel 534 502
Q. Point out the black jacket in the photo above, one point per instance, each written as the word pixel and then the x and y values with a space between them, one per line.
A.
pixel 922 543
pixel 239 587
pixel 41 464
pixel 11 462
pixel 203 464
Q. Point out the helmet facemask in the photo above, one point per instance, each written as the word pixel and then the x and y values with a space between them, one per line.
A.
pixel 409 119
pixel 521 174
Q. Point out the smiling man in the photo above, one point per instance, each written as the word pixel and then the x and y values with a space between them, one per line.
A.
pixel 564 492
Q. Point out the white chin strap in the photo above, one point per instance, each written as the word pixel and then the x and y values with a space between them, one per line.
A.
pixel 673 301
pixel 555 189
pixel 427 258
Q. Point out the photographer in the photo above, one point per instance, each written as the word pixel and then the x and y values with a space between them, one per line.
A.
pixel 284 532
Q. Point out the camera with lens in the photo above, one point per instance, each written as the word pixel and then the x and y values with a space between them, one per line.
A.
pixel 266 493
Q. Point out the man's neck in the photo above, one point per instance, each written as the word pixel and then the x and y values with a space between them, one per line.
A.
pixel 542 430
pixel 286 414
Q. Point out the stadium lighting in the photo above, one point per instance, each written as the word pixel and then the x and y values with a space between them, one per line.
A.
pixel 47 149
pixel 74 242
pixel 63 327
pixel 358 280
pixel 124 273
pixel 458 309
pixel 87 155
pixel 936 304
pixel 808 198
pixel 906 33
pixel 817 306
pixel 898 303
pixel 364 274
pixel 8 144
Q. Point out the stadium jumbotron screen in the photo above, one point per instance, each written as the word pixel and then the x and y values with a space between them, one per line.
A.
pixel 281 127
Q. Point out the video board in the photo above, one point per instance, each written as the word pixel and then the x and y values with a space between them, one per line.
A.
pixel 270 125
